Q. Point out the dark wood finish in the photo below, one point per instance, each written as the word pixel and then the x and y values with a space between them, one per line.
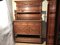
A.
pixel 57 32
pixel 28 16
pixel 51 22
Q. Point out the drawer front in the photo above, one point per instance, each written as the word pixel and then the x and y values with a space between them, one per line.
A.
pixel 28 3
pixel 29 9
pixel 28 40
pixel 28 16
pixel 26 27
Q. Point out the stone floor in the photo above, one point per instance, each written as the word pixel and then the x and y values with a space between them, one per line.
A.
pixel 30 44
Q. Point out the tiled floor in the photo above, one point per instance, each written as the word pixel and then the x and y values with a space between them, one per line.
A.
pixel 30 44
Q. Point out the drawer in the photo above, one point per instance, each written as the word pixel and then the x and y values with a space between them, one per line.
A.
pixel 28 3
pixel 29 9
pixel 28 16
pixel 27 27
pixel 28 40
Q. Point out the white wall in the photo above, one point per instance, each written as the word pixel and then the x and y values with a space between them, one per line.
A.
pixel 5 13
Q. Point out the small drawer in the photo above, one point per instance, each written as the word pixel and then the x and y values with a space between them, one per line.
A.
pixel 27 27
pixel 28 16
pixel 29 9
pixel 28 3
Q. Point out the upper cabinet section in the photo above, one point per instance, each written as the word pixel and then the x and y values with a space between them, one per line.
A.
pixel 28 5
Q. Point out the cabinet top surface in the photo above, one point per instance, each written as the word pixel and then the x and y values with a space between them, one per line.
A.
pixel 27 0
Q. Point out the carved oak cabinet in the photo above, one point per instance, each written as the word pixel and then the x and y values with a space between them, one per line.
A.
pixel 27 23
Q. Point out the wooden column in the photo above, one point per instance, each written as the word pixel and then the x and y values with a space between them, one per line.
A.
pixel 51 21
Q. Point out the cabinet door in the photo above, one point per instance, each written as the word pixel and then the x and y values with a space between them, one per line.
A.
pixel 29 9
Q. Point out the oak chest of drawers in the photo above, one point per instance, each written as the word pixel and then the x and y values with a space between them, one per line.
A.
pixel 27 23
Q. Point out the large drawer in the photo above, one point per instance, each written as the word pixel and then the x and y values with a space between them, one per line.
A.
pixel 28 3
pixel 28 16
pixel 29 9
pixel 27 27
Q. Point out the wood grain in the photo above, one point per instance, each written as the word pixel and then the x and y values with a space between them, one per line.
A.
pixel 28 28
pixel 51 22
pixel 29 40
pixel 28 16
